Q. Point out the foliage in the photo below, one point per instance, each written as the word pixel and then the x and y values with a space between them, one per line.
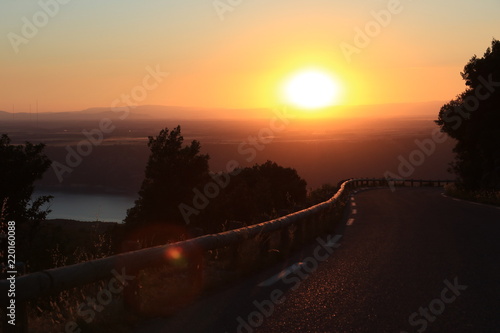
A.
pixel 20 167
pixel 488 197
pixel 170 176
pixel 256 194
pixel 473 119
pixel 321 194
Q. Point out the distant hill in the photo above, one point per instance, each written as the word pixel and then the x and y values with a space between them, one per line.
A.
pixel 141 112
pixel 151 112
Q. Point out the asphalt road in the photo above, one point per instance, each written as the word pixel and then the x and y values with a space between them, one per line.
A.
pixel 405 261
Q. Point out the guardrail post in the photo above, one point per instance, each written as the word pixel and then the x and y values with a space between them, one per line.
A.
pixel 131 291
pixel 330 215
pixel 302 232
pixel 233 256
pixel 195 269
pixel 311 221
pixel 264 245
pixel 285 239
pixel 322 217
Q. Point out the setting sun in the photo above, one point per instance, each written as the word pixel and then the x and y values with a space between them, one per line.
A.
pixel 311 89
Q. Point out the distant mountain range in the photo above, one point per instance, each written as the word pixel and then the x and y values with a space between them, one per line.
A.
pixel 140 112
pixel 150 112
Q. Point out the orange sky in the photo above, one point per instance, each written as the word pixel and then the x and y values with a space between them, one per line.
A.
pixel 88 54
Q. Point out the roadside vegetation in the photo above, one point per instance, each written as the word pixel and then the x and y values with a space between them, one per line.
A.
pixel 473 119
pixel 480 196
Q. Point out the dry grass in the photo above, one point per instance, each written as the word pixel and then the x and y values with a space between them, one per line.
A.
pixel 58 311
pixel 485 197
pixel 53 313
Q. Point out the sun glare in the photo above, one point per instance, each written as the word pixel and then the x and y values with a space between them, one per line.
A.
pixel 311 89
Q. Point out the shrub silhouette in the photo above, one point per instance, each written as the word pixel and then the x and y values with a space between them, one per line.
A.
pixel 256 194
pixel 20 167
pixel 170 176
pixel 473 119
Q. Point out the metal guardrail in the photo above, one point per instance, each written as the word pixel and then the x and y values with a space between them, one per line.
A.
pixel 43 283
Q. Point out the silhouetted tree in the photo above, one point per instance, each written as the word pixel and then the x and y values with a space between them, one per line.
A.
pixel 256 194
pixel 473 119
pixel 284 186
pixel 323 193
pixel 172 172
pixel 20 167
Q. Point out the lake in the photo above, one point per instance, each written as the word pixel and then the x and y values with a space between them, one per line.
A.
pixel 88 207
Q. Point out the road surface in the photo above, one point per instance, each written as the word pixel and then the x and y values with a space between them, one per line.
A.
pixel 411 260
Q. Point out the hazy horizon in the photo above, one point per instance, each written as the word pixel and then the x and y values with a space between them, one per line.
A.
pixel 428 109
